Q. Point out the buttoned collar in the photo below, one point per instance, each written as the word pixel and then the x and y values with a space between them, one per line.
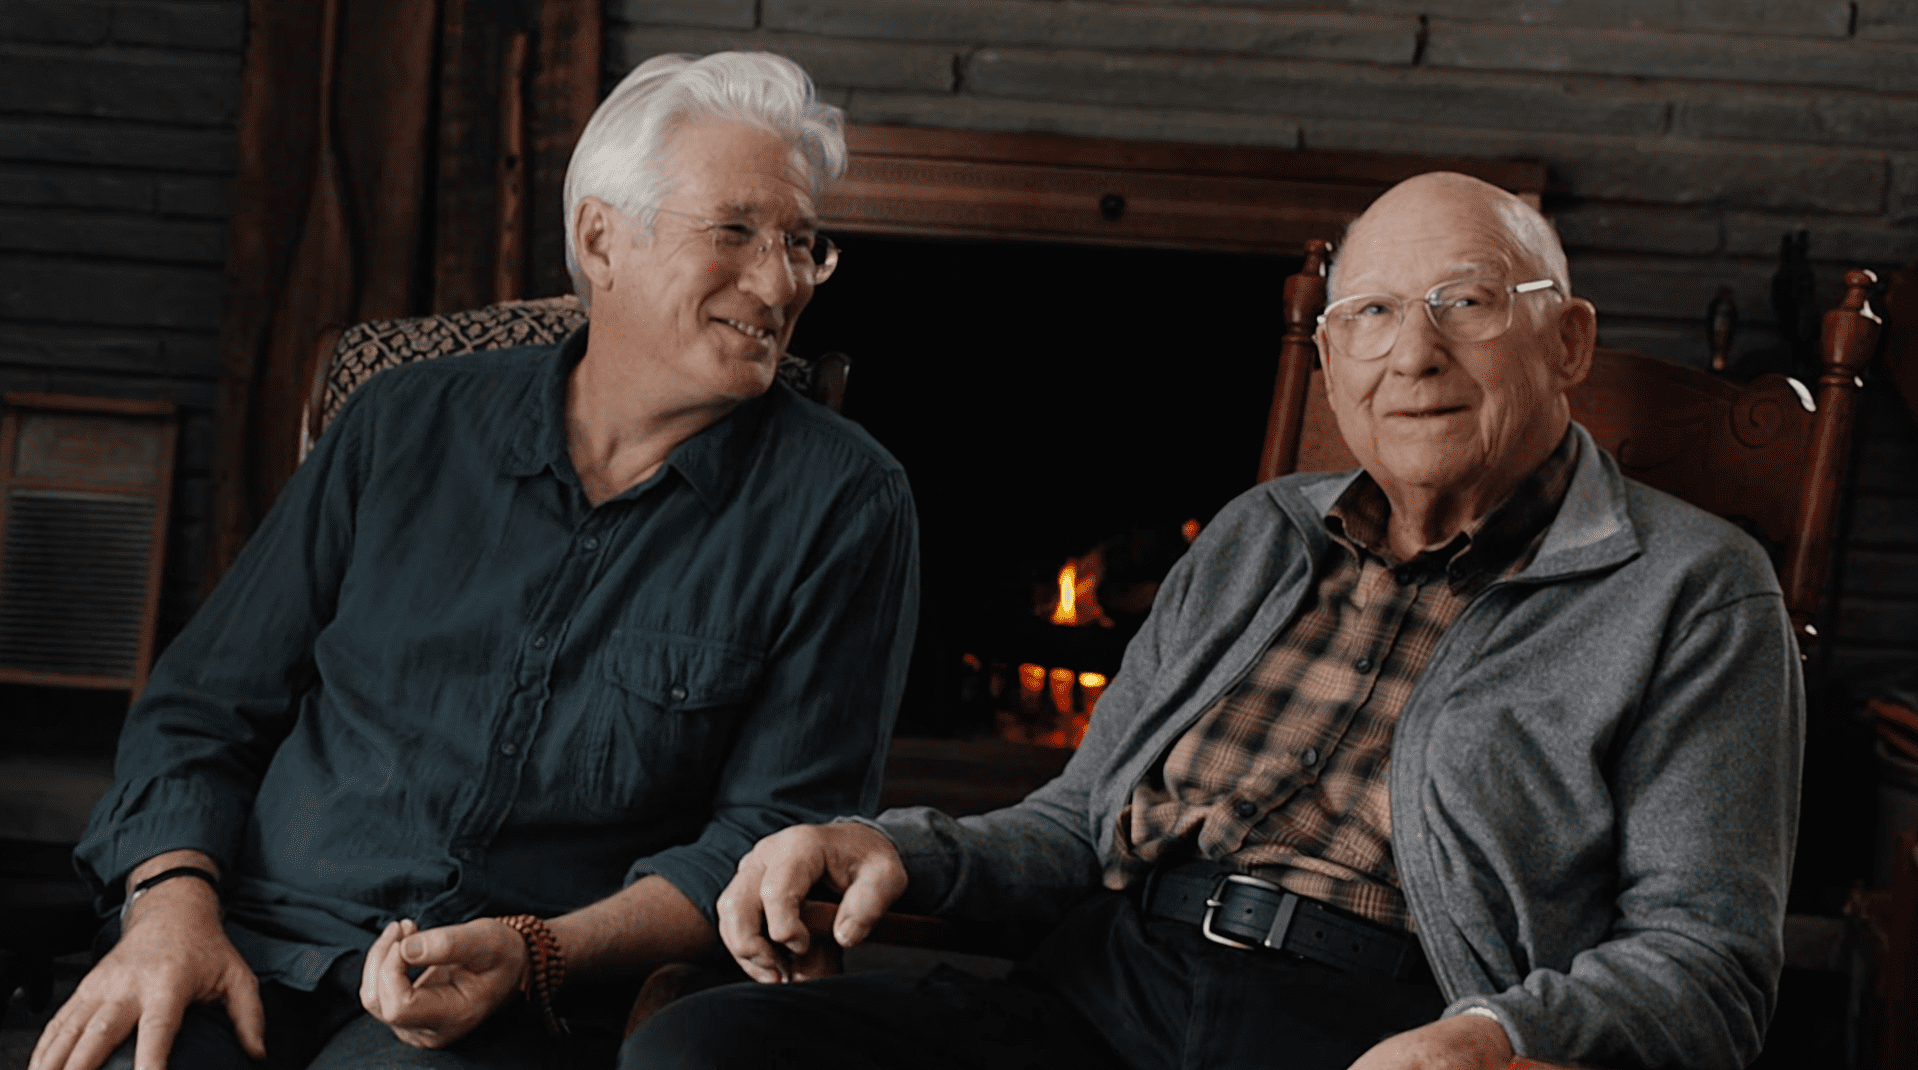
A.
pixel 1503 538
pixel 711 462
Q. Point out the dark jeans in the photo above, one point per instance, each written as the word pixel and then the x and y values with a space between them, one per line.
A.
pixel 1108 988
pixel 326 1029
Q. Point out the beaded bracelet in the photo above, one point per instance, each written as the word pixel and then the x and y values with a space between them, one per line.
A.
pixel 545 967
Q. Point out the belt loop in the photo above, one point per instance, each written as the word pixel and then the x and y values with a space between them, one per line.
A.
pixel 1146 889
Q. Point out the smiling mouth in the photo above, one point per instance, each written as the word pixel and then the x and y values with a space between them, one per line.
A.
pixel 748 329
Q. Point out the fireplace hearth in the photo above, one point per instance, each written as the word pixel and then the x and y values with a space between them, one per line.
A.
pixel 1051 403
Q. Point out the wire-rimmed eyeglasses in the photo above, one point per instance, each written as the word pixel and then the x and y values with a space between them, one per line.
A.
pixel 1363 327
pixel 812 256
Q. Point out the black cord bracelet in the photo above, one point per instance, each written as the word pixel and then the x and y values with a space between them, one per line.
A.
pixel 145 886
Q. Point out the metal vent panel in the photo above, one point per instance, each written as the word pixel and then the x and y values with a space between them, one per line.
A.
pixel 74 585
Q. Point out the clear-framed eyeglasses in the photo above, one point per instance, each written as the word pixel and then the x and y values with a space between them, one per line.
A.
pixel 1364 326
pixel 812 256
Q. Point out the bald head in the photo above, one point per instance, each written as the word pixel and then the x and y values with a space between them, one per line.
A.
pixel 1448 420
pixel 1451 199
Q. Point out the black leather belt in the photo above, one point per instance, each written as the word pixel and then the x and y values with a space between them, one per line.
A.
pixel 1249 913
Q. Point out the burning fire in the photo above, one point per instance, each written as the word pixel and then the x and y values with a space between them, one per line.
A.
pixel 1062 722
pixel 1078 597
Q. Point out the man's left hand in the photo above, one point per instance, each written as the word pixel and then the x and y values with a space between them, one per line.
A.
pixel 467 972
pixel 1462 1042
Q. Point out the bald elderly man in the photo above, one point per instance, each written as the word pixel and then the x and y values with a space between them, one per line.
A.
pixel 1480 750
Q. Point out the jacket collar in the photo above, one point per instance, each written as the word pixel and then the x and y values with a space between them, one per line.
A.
pixel 1593 528
pixel 712 462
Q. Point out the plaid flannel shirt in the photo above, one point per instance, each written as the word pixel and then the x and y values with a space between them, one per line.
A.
pixel 1304 799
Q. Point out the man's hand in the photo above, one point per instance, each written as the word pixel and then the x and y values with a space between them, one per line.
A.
pixel 1461 1042
pixel 759 911
pixel 467 972
pixel 173 952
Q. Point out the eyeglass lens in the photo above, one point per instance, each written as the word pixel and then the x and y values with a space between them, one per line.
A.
pixel 733 240
pixel 1469 310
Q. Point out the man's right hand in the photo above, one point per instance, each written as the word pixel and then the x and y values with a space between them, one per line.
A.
pixel 759 911
pixel 173 952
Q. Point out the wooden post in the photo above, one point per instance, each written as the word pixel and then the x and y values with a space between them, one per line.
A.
pixel 1304 297
pixel 1850 335
pixel 509 258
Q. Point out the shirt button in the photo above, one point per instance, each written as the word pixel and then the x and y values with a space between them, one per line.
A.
pixel 1244 809
pixel 592 544
pixel 679 694
pixel 1308 756
pixel 509 749
pixel 1363 665
pixel 539 642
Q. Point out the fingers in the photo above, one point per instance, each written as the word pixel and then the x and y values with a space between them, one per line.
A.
pixel 86 1041
pixel 782 888
pixel 244 1008
pixel 375 960
pixel 392 988
pixel 877 880
pixel 85 1031
pixel 760 912
pixel 159 1024
pixel 741 921
pixel 59 1037
pixel 760 920
pixel 871 893
pixel 431 947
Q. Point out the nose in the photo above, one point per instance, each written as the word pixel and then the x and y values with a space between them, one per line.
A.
pixel 769 277
pixel 1418 347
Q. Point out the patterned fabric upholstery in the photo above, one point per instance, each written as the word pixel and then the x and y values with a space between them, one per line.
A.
pixel 366 349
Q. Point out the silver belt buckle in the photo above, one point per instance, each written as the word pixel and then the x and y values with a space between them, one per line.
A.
pixel 1280 923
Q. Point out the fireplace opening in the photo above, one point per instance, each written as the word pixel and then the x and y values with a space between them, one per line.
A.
pixel 1047 401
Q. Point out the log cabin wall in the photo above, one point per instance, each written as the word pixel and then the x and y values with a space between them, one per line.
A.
pixel 116 165
pixel 1682 140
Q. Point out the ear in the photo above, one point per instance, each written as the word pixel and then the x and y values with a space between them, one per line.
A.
pixel 1578 339
pixel 596 226
pixel 1325 373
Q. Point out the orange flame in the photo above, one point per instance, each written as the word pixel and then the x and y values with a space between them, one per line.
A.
pixel 1067 611
pixel 1079 596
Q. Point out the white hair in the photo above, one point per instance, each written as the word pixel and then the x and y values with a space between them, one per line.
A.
pixel 624 154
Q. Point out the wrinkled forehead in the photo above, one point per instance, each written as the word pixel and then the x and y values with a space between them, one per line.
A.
pixel 1408 245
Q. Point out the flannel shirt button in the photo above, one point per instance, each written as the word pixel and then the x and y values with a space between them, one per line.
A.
pixel 1308 756
pixel 1363 665
pixel 1245 809
pixel 679 694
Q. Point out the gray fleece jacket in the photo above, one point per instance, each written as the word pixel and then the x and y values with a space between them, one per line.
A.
pixel 1594 782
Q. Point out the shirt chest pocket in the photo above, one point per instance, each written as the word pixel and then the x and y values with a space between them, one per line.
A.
pixel 679 673
pixel 668 709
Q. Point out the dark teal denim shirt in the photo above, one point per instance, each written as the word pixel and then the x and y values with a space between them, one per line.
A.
pixel 439 685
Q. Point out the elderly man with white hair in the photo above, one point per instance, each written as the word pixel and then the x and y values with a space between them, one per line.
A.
pixel 534 646
pixel 1481 749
